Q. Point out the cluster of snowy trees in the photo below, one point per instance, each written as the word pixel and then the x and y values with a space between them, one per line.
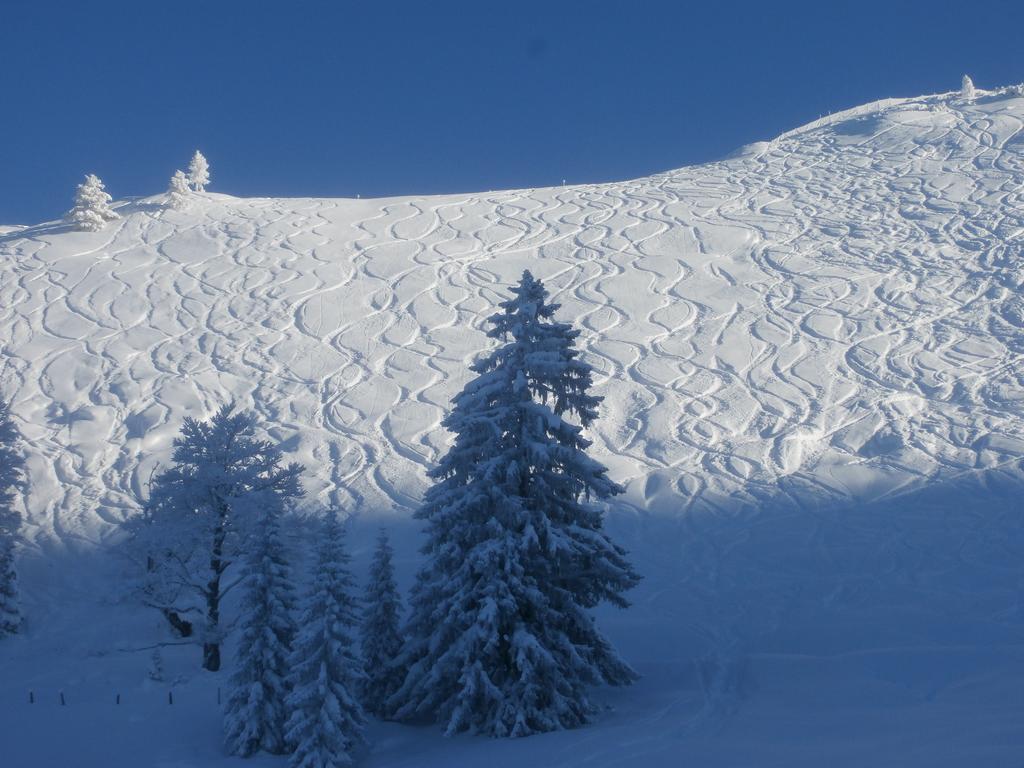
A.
pixel 197 519
pixel 499 640
pixel 183 185
pixel 92 210
pixel 213 521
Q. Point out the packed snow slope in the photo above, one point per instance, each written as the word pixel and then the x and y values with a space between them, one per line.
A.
pixel 811 355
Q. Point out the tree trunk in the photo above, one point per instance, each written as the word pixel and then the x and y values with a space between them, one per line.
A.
pixel 211 656
pixel 182 626
pixel 211 644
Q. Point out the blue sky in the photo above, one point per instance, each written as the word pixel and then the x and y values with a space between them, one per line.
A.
pixel 391 98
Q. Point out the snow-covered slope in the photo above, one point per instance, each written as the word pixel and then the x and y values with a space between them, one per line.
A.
pixel 812 358
pixel 840 310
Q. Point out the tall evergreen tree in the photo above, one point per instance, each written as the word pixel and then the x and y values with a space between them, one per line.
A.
pixel 188 535
pixel 255 713
pixel 501 641
pixel 12 469
pixel 382 639
pixel 326 721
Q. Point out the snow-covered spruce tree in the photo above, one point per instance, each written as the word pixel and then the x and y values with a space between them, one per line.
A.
pixel 199 172
pixel 12 468
pixel 382 639
pixel 92 206
pixel 326 720
pixel 178 191
pixel 189 532
pixel 967 88
pixel 500 638
pixel 255 712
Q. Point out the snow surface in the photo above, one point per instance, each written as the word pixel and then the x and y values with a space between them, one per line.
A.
pixel 812 357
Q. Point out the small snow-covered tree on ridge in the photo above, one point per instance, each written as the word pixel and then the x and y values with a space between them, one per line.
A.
pixel 326 721
pixel 500 638
pixel 967 90
pixel 199 172
pixel 190 529
pixel 255 712
pixel 178 191
pixel 381 636
pixel 12 481
pixel 92 206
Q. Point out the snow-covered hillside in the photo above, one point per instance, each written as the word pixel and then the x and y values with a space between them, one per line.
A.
pixel 812 358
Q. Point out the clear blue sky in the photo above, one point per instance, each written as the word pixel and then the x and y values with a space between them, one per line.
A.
pixel 337 98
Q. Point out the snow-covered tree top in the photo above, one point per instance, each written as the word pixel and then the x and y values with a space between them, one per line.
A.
pixel 92 205
pixel 199 172
pixel 967 88
pixel 178 190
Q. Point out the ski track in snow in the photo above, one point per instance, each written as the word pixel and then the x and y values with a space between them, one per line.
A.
pixel 834 317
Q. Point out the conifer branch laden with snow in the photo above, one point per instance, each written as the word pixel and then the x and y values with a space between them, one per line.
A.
pixel 92 206
pixel 12 481
pixel 199 172
pixel 381 635
pixel 178 192
pixel 255 712
pixel 327 721
pixel 500 638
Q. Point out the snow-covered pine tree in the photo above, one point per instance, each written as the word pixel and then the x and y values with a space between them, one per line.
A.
pixel 12 468
pixel 381 637
pixel 92 206
pixel 199 172
pixel 967 88
pixel 178 191
pixel 501 641
pixel 255 712
pixel 188 533
pixel 326 721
